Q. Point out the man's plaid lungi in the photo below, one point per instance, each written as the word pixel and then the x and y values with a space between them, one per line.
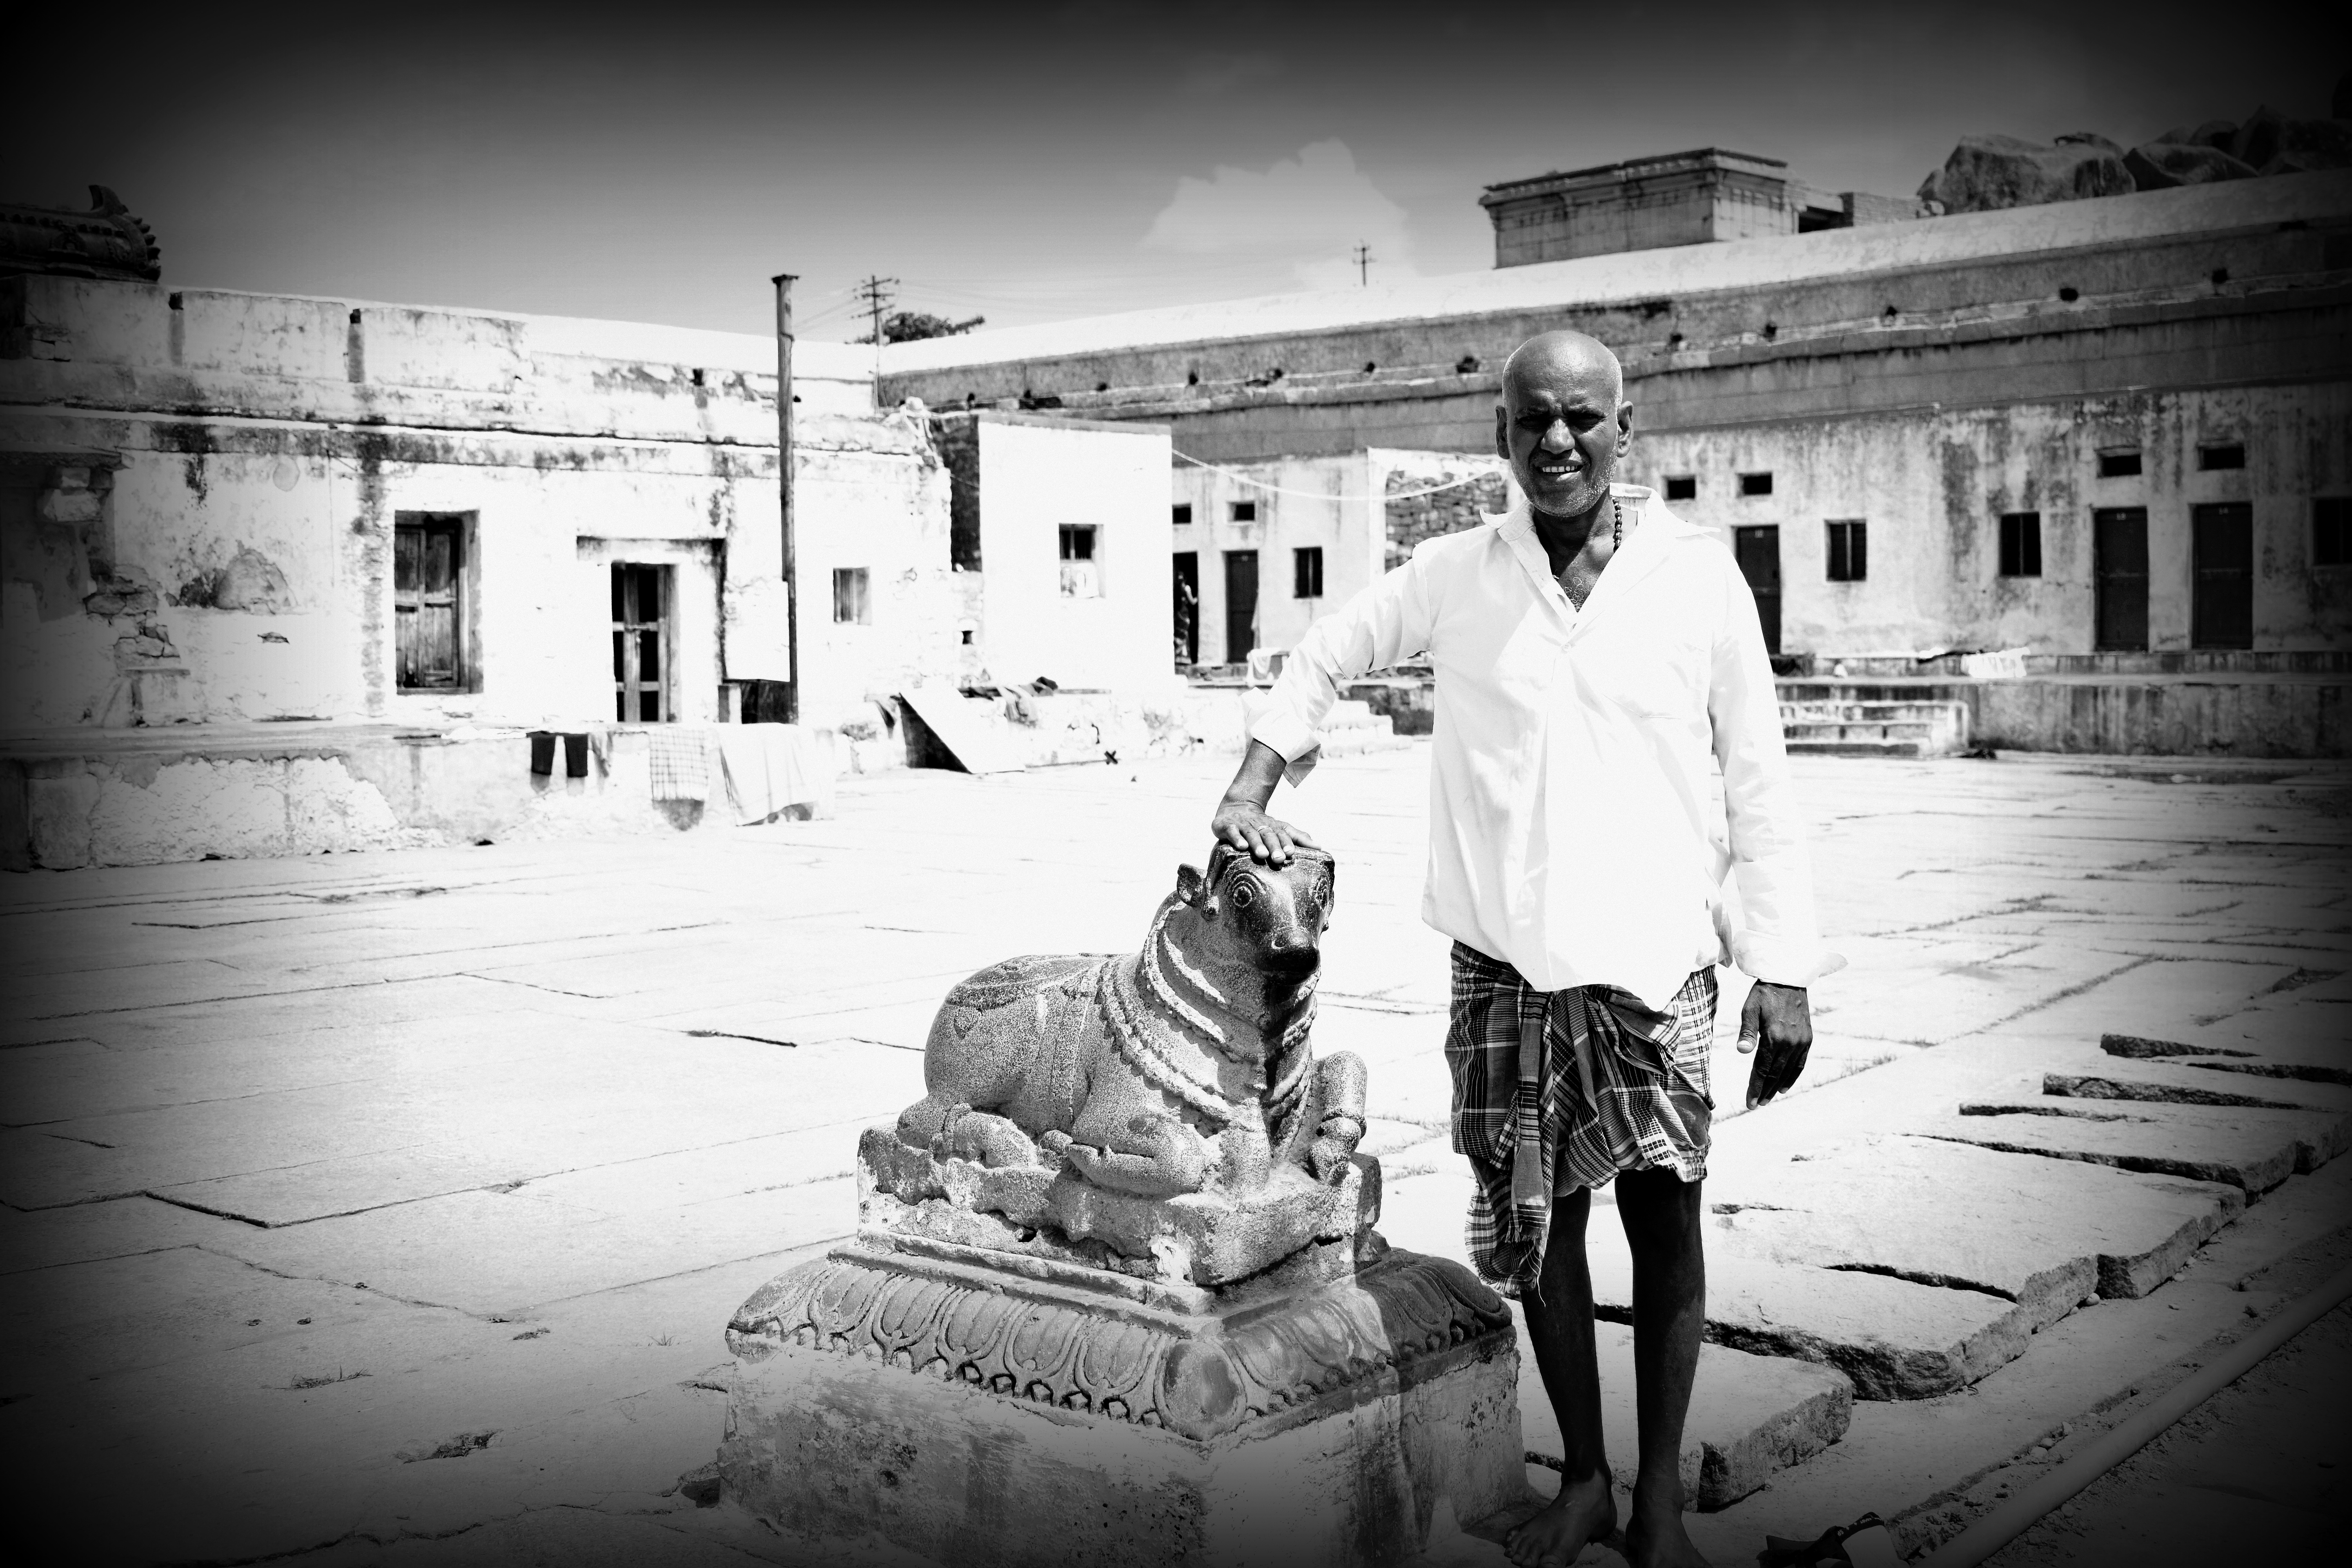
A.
pixel 1554 1091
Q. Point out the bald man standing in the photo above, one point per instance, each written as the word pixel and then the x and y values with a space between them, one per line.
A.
pixel 1595 658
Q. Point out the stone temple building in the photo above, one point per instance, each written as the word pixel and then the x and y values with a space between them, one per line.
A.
pixel 2114 433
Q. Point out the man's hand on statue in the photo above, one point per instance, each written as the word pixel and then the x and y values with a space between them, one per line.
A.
pixel 1265 838
pixel 1776 1025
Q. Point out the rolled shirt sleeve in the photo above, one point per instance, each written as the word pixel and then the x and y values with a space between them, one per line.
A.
pixel 1779 938
pixel 1386 622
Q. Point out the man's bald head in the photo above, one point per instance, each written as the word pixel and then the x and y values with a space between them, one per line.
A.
pixel 1550 358
pixel 1563 421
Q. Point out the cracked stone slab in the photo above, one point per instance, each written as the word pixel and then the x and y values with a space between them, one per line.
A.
pixel 2203 1143
pixel 1749 1415
pixel 2318 1135
pixel 2193 1080
pixel 2308 1041
pixel 1894 1338
pixel 2043 1233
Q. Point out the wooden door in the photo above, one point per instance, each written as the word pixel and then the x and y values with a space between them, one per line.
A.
pixel 640 629
pixel 1758 550
pixel 427 631
pixel 2119 579
pixel 1241 605
pixel 2221 602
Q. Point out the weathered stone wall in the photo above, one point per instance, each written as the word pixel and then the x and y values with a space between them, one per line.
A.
pixel 1932 487
pixel 197 522
pixel 1413 517
pixel 1927 376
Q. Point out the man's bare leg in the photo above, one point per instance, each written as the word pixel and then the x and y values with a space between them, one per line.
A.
pixel 1559 1326
pixel 1663 1219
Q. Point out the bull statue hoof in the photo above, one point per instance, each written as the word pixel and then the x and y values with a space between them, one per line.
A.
pixel 1159 1113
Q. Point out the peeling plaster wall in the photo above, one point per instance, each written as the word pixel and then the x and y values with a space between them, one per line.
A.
pixel 1933 488
pixel 262 449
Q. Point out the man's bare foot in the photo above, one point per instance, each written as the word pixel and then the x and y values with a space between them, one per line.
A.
pixel 1584 1511
pixel 1655 1538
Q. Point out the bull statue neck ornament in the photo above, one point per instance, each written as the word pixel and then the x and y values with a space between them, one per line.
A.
pixel 1124 1242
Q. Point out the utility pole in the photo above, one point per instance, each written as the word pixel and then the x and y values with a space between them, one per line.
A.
pixel 784 282
pixel 1363 266
pixel 876 293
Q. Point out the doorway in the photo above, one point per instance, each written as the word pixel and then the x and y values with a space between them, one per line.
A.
pixel 640 632
pixel 1187 608
pixel 2222 602
pixel 1241 605
pixel 2119 579
pixel 1758 550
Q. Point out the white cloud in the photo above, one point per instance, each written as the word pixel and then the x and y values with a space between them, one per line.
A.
pixel 1310 211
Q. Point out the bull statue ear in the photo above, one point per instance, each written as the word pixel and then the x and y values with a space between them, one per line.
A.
pixel 1191 884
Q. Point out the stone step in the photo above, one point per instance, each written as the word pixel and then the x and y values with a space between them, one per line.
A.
pixel 1859 730
pixel 1797 746
pixel 1858 713
pixel 2044 1234
pixel 1750 1415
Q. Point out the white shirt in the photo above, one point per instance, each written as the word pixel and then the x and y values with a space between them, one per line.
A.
pixel 1571 795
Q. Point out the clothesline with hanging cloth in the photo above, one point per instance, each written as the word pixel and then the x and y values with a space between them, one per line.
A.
pixel 1240 478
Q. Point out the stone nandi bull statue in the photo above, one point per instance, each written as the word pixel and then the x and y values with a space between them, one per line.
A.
pixel 1163 1103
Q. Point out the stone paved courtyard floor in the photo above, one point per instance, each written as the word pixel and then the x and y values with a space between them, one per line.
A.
pixel 392 1206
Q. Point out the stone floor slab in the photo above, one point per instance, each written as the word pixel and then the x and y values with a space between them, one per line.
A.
pixel 2044 1234
pixel 2311 1039
pixel 1751 1415
pixel 2189 1080
pixel 2319 1135
pixel 1895 1338
pixel 2252 1157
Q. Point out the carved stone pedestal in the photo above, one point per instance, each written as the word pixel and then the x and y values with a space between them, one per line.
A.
pixel 985 1411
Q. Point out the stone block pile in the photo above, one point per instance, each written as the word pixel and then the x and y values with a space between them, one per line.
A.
pixel 1988 172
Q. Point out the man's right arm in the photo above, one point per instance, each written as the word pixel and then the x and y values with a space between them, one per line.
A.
pixel 1387 621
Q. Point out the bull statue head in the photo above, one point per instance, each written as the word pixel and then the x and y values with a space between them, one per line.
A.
pixel 1266 918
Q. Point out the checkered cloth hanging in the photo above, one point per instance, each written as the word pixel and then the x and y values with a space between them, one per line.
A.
pixel 680 759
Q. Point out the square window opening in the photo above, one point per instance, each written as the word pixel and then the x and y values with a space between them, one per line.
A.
pixel 1244 512
pixel 1307 573
pixel 429 602
pixel 2221 454
pixel 1682 486
pixel 1081 571
pixel 2331 531
pixel 2120 464
pixel 641 644
pixel 1756 484
pixel 1849 551
pixel 2021 545
pixel 1181 516
pixel 853 604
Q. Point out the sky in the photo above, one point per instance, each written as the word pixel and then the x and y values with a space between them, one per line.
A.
pixel 659 163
